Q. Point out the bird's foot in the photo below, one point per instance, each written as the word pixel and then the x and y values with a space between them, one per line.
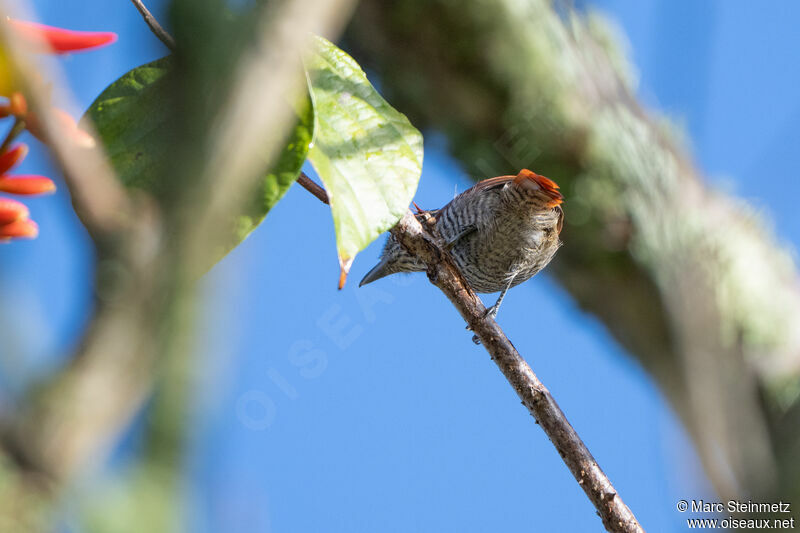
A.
pixel 489 313
pixel 475 338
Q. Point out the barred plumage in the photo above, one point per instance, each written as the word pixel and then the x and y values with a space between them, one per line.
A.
pixel 501 232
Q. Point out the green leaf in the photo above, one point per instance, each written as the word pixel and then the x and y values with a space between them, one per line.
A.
pixel 133 117
pixel 283 173
pixel 368 154
pixel 130 117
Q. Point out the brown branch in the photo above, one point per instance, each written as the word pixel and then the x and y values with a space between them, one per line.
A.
pixel 309 185
pixel 154 26
pixel 656 254
pixel 443 273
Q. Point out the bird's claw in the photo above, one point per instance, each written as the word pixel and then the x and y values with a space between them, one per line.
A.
pixel 489 313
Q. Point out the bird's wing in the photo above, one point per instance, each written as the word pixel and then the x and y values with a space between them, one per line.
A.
pixel 490 183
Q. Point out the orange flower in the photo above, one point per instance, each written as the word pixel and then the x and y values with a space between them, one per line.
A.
pixel 23 228
pixel 11 211
pixel 58 40
pixel 48 40
pixel 14 221
pixel 26 185
pixel 12 157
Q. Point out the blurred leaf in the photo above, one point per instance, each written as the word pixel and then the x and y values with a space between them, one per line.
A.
pixel 368 154
pixel 135 499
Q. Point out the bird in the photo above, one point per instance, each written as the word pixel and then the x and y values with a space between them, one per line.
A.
pixel 500 233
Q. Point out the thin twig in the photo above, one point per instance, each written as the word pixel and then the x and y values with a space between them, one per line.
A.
pixel 154 26
pixel 443 273
pixel 309 185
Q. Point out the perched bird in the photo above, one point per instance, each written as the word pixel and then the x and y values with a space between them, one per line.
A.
pixel 500 233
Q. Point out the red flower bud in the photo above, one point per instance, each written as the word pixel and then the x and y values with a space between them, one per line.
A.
pixel 59 40
pixel 26 185
pixel 24 228
pixel 11 210
pixel 12 157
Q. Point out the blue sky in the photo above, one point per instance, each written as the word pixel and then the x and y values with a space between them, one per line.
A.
pixel 370 409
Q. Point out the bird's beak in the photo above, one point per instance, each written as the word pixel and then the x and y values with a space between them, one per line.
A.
pixel 378 271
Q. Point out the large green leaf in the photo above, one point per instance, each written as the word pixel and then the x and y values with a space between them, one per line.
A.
pixel 133 117
pixel 368 154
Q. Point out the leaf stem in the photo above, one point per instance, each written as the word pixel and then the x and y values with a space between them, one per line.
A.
pixel 309 185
